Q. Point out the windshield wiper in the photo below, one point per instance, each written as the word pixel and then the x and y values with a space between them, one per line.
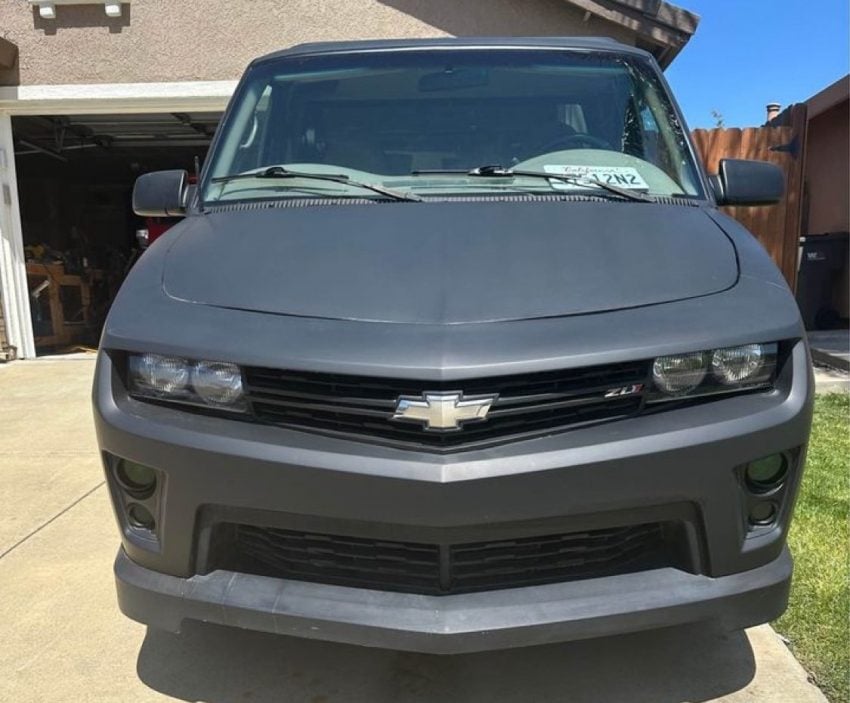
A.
pixel 281 172
pixel 502 172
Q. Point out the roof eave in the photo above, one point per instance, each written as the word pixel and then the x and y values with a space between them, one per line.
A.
pixel 829 97
pixel 662 28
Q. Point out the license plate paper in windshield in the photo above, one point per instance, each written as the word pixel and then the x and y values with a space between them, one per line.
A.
pixel 621 176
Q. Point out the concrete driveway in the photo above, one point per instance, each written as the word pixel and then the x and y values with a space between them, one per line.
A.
pixel 63 638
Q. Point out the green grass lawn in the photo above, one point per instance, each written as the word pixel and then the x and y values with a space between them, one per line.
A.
pixel 817 622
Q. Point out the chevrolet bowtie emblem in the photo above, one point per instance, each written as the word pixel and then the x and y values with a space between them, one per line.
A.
pixel 443 412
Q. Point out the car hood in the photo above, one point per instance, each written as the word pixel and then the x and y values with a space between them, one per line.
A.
pixel 448 262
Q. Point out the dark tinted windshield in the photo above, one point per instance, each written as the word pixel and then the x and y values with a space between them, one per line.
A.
pixel 379 117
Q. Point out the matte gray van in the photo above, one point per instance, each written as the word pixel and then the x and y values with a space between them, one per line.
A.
pixel 454 351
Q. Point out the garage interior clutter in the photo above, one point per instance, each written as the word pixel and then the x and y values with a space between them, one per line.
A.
pixel 81 237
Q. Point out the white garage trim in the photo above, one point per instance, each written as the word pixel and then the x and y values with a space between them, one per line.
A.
pixel 94 99
pixel 100 98
pixel 13 272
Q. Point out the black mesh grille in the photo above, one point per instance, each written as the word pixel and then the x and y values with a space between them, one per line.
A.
pixel 527 404
pixel 412 567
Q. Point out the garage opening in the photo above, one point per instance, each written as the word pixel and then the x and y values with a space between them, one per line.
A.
pixel 81 237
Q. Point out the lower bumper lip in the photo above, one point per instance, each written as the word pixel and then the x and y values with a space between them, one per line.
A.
pixel 455 624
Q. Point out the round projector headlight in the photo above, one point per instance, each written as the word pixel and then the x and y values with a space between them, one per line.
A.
pixel 165 375
pixel 735 365
pixel 217 382
pixel 679 373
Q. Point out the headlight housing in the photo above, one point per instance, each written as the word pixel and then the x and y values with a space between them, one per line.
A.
pixel 725 370
pixel 735 365
pixel 680 373
pixel 211 384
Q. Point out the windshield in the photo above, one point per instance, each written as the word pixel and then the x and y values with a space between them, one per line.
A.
pixel 416 122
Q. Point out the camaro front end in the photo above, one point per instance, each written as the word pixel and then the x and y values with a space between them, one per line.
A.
pixel 453 351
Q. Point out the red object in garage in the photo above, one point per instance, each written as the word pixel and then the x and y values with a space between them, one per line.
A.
pixel 157 226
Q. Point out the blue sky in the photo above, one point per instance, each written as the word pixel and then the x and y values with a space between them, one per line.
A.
pixel 747 53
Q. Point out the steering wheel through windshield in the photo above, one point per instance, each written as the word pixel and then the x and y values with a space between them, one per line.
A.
pixel 575 141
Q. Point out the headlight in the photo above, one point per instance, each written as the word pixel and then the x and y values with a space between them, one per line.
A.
pixel 215 384
pixel 737 364
pixel 680 373
pixel 162 375
pixel 744 367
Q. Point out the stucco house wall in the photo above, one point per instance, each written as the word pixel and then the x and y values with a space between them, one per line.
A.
pixel 166 40
pixel 827 172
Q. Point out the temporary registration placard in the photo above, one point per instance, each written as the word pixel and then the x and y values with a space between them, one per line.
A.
pixel 622 176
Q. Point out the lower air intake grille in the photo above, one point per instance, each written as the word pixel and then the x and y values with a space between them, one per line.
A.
pixel 433 569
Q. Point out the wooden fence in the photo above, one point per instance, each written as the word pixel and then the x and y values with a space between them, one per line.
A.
pixel 776 226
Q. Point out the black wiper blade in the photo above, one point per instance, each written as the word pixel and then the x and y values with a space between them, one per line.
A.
pixel 495 171
pixel 281 172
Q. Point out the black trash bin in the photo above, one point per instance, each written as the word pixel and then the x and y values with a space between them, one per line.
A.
pixel 823 257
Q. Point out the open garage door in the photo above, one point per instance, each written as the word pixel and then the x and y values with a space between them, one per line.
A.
pixel 75 177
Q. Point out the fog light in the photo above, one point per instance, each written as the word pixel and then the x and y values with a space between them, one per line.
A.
pixel 140 516
pixel 137 479
pixel 766 473
pixel 762 513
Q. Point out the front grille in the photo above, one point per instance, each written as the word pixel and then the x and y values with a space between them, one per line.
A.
pixel 441 569
pixel 527 404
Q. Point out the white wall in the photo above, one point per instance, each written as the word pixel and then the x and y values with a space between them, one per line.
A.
pixel 13 274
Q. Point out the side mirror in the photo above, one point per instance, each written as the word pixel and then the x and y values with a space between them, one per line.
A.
pixel 161 194
pixel 742 182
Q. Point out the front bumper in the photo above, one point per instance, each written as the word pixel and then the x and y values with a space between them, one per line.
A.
pixel 455 624
pixel 679 465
